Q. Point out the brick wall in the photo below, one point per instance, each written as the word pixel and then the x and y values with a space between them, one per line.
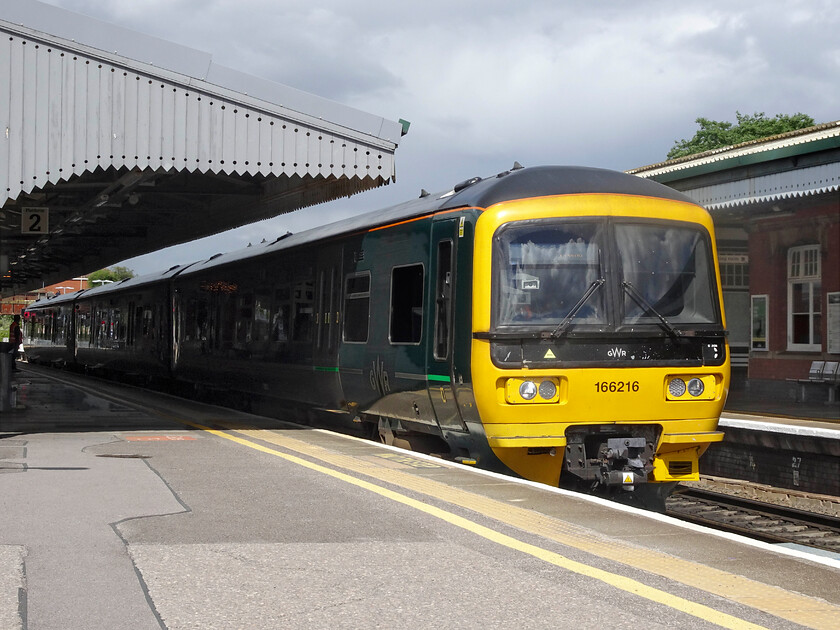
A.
pixel 769 241
pixel 778 460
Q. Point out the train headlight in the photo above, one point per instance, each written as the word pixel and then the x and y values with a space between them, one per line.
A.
pixel 518 390
pixel 696 387
pixel 528 389
pixel 676 387
pixel 548 390
pixel 700 387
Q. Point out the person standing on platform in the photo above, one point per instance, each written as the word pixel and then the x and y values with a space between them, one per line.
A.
pixel 16 339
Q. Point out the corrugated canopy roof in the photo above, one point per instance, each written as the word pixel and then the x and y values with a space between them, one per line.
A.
pixel 799 163
pixel 133 143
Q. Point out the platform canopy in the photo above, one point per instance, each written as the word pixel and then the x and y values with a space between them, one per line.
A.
pixel 738 182
pixel 114 144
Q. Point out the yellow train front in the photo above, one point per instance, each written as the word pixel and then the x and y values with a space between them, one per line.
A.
pixel 599 354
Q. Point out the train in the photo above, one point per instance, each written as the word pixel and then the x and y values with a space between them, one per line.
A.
pixel 563 324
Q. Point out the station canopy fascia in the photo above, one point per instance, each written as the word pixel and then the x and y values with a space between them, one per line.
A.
pixel 114 144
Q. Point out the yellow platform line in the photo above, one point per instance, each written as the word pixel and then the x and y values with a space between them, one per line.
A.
pixel 617 581
pixel 802 609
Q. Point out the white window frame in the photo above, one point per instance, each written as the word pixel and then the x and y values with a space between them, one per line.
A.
pixel 804 268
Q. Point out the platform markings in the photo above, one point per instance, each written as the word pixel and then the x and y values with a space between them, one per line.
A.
pixel 617 581
pixel 798 608
pixel 801 609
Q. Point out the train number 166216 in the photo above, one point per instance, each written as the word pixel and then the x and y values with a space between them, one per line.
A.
pixel 616 387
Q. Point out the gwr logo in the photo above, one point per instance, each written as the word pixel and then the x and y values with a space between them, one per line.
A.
pixel 617 353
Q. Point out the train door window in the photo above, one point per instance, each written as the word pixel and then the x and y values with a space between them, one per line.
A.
pixel 356 307
pixel 202 321
pixel 189 328
pixel 331 317
pixel 281 314
pixel 406 304
pixel 244 319
pixel 129 334
pixel 138 323
pixel 443 299
pixel 83 325
pixel 227 320
pixel 60 329
pixel 323 309
pixel 48 327
pixel 262 315
pixel 119 321
pixel 304 307
pixel 148 321
pixel 98 326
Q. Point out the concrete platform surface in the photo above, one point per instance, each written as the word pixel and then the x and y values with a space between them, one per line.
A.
pixel 123 508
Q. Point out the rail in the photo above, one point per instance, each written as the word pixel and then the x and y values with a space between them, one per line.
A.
pixel 754 519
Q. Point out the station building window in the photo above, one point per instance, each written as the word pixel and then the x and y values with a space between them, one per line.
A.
pixel 804 298
pixel 734 272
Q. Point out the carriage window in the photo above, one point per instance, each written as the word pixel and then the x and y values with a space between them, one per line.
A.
pixel 356 308
pixel 406 304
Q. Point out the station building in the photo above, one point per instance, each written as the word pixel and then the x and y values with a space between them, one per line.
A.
pixel 776 208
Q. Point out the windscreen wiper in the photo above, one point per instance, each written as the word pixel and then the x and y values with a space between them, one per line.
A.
pixel 641 301
pixel 562 326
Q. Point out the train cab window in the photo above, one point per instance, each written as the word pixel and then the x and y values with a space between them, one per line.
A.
pixel 549 271
pixel 356 307
pixel 666 271
pixel 406 304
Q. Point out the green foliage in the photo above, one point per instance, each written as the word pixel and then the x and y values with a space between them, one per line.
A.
pixel 5 323
pixel 114 274
pixel 714 134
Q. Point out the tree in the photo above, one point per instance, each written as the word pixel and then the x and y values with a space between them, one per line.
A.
pixel 714 134
pixel 113 274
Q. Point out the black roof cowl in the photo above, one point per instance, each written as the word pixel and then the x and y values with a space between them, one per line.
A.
pixel 543 181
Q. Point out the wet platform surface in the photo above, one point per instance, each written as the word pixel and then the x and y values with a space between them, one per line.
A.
pixel 123 508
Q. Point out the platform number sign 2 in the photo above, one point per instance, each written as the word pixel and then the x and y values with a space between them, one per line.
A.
pixel 35 221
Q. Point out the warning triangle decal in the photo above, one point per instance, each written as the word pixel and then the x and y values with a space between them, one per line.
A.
pixel 628 478
pixel 549 354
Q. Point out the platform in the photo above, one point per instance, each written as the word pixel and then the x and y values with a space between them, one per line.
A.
pixel 124 508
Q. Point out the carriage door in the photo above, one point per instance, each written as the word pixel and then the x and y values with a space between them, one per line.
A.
pixel 328 279
pixel 442 306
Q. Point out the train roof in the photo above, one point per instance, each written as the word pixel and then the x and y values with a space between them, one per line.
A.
pixel 517 183
pixel 65 298
pixel 128 283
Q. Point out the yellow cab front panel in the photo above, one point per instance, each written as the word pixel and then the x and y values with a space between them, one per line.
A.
pixel 599 347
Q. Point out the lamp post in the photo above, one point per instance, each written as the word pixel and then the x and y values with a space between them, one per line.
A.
pixel 63 289
pixel 101 282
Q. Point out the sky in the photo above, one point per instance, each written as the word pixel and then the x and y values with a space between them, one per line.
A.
pixel 484 83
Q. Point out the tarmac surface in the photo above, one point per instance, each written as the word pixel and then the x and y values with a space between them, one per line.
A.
pixel 123 508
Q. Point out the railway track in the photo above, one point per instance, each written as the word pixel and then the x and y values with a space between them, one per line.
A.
pixel 754 519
